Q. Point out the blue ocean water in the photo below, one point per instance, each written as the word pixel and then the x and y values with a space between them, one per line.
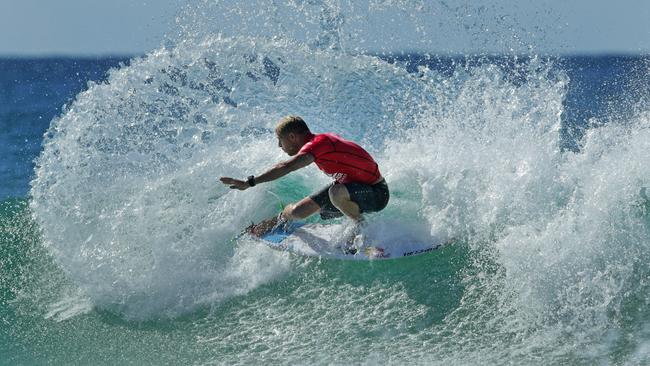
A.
pixel 32 92
pixel 119 246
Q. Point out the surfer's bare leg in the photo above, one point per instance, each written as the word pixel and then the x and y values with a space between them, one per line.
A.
pixel 340 198
pixel 295 211
pixel 300 210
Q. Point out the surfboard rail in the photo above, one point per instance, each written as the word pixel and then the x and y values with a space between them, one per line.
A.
pixel 321 240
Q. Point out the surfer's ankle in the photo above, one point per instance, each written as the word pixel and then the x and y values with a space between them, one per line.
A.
pixel 352 236
pixel 280 221
pixel 358 226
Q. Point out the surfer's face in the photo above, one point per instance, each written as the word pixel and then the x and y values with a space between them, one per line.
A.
pixel 289 143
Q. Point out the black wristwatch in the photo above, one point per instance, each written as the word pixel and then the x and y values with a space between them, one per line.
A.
pixel 251 180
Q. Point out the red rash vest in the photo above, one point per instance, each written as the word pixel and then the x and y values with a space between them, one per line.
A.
pixel 341 159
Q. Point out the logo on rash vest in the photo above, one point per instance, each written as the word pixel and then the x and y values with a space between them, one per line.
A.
pixel 338 176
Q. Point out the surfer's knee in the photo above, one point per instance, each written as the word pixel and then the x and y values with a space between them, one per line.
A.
pixel 338 193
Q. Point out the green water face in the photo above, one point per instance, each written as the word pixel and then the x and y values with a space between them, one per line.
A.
pixel 319 312
pixel 446 307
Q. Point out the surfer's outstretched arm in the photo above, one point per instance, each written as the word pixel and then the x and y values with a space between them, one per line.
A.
pixel 277 171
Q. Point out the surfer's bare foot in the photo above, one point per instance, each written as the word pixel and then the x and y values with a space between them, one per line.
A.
pixel 262 227
pixel 267 225
pixel 353 244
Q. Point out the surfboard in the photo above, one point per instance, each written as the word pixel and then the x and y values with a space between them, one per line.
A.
pixel 378 242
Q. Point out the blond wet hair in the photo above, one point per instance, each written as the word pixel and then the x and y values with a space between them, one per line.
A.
pixel 291 124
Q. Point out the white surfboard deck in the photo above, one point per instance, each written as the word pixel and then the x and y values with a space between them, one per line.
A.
pixel 380 241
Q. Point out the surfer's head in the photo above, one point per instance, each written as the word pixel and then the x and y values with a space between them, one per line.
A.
pixel 292 133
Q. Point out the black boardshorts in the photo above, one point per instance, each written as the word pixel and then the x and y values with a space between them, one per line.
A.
pixel 370 198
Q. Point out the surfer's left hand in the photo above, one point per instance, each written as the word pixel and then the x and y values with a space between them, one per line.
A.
pixel 235 183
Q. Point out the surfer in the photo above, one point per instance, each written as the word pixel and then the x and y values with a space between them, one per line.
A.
pixel 358 185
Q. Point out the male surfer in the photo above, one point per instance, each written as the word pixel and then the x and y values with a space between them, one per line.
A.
pixel 358 185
